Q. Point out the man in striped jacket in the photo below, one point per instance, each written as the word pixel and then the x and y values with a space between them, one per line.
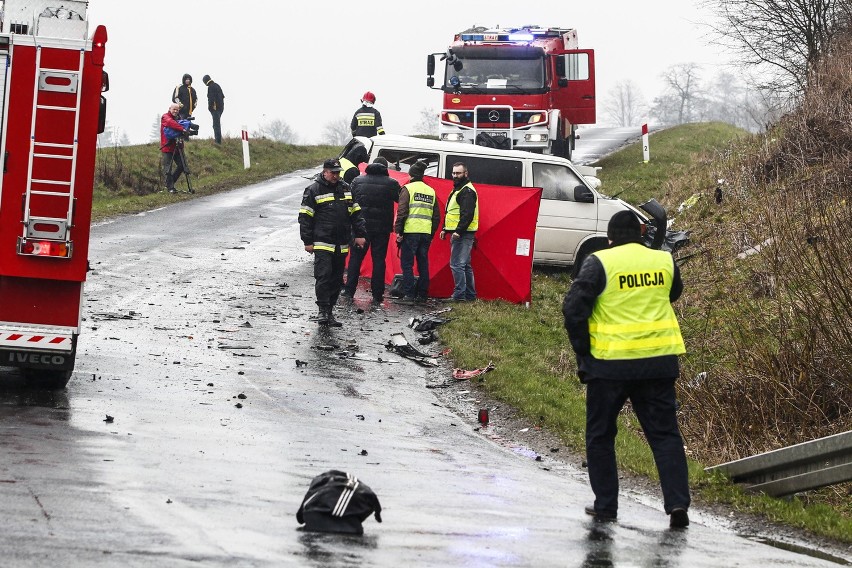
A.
pixel 328 217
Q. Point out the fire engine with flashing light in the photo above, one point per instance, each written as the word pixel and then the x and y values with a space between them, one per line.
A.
pixel 51 111
pixel 523 88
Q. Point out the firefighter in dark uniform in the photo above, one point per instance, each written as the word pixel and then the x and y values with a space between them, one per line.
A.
pixel 625 334
pixel 367 121
pixel 328 218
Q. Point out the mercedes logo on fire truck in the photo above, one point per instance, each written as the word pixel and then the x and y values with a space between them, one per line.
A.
pixel 494 115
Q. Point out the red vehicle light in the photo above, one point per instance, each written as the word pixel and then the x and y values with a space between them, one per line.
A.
pixel 99 39
pixel 44 248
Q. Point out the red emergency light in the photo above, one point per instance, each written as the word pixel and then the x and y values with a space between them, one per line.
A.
pixel 44 248
pixel 99 39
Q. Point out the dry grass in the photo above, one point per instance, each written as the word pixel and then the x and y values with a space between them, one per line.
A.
pixel 773 330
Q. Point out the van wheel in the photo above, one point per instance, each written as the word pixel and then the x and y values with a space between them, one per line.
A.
pixel 588 248
pixel 48 380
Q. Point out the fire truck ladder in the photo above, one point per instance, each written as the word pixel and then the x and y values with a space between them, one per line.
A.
pixel 63 81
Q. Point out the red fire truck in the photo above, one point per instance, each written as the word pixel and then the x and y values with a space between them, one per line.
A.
pixel 51 112
pixel 516 88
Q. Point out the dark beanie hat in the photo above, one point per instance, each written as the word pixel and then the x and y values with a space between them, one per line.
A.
pixel 205 79
pixel 417 170
pixel 381 160
pixel 624 227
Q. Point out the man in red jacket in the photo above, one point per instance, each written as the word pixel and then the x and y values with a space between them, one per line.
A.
pixel 168 147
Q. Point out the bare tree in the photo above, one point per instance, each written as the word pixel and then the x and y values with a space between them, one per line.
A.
pixel 783 38
pixel 678 104
pixel 278 130
pixel 428 124
pixel 336 132
pixel 625 105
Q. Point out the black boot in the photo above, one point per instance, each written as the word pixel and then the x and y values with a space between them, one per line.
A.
pixel 321 317
pixel 331 320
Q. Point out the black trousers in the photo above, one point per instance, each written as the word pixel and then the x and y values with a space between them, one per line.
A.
pixel 173 167
pixel 328 272
pixel 654 403
pixel 217 125
pixel 378 246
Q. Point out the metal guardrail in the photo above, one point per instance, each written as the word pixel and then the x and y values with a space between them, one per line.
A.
pixel 802 467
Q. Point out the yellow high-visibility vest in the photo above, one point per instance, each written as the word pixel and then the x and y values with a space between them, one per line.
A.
pixel 633 317
pixel 451 220
pixel 421 203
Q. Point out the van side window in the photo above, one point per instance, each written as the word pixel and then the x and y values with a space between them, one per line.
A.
pixel 401 160
pixel 557 182
pixel 496 171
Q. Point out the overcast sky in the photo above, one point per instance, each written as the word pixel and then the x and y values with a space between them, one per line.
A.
pixel 307 63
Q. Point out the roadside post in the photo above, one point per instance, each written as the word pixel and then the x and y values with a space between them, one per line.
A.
pixel 246 159
pixel 646 154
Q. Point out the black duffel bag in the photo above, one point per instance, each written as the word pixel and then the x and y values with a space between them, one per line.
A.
pixel 338 502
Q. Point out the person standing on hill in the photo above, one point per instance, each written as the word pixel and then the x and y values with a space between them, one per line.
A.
pixel 185 95
pixel 626 337
pixel 375 192
pixel 216 106
pixel 367 121
pixel 168 147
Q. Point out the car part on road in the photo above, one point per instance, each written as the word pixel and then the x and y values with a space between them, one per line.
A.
pixel 399 344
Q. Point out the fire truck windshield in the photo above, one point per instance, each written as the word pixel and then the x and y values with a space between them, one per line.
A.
pixel 480 75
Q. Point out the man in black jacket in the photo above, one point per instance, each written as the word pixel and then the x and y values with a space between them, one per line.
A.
pixel 625 334
pixel 216 106
pixel 375 192
pixel 328 218
pixel 185 95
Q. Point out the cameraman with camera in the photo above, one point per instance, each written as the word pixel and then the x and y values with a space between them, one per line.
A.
pixel 171 138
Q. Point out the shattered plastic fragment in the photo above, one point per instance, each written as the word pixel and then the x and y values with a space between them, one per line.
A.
pixel 462 375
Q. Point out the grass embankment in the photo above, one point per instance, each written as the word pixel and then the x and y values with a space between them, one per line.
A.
pixel 128 178
pixel 535 367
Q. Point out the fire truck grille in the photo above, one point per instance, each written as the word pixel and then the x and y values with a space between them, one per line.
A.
pixel 486 116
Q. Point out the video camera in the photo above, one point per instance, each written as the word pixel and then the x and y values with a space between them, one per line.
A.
pixel 191 127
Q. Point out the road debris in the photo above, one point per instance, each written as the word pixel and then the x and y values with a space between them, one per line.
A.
pixel 108 419
pixel 462 375
pixel 399 344
pixel 427 337
pixel 427 322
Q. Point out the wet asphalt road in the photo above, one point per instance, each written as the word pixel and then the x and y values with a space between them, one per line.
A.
pixel 189 307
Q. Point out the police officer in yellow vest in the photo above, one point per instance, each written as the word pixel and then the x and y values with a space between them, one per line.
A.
pixel 625 334
pixel 461 221
pixel 417 219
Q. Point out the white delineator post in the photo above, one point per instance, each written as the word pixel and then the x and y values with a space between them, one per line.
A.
pixel 246 159
pixel 646 153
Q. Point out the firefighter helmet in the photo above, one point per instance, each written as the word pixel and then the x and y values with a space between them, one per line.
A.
pixel 368 98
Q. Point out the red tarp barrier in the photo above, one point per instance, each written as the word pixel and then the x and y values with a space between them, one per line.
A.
pixel 502 258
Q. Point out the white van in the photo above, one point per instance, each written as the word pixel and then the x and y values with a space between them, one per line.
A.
pixel 573 215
